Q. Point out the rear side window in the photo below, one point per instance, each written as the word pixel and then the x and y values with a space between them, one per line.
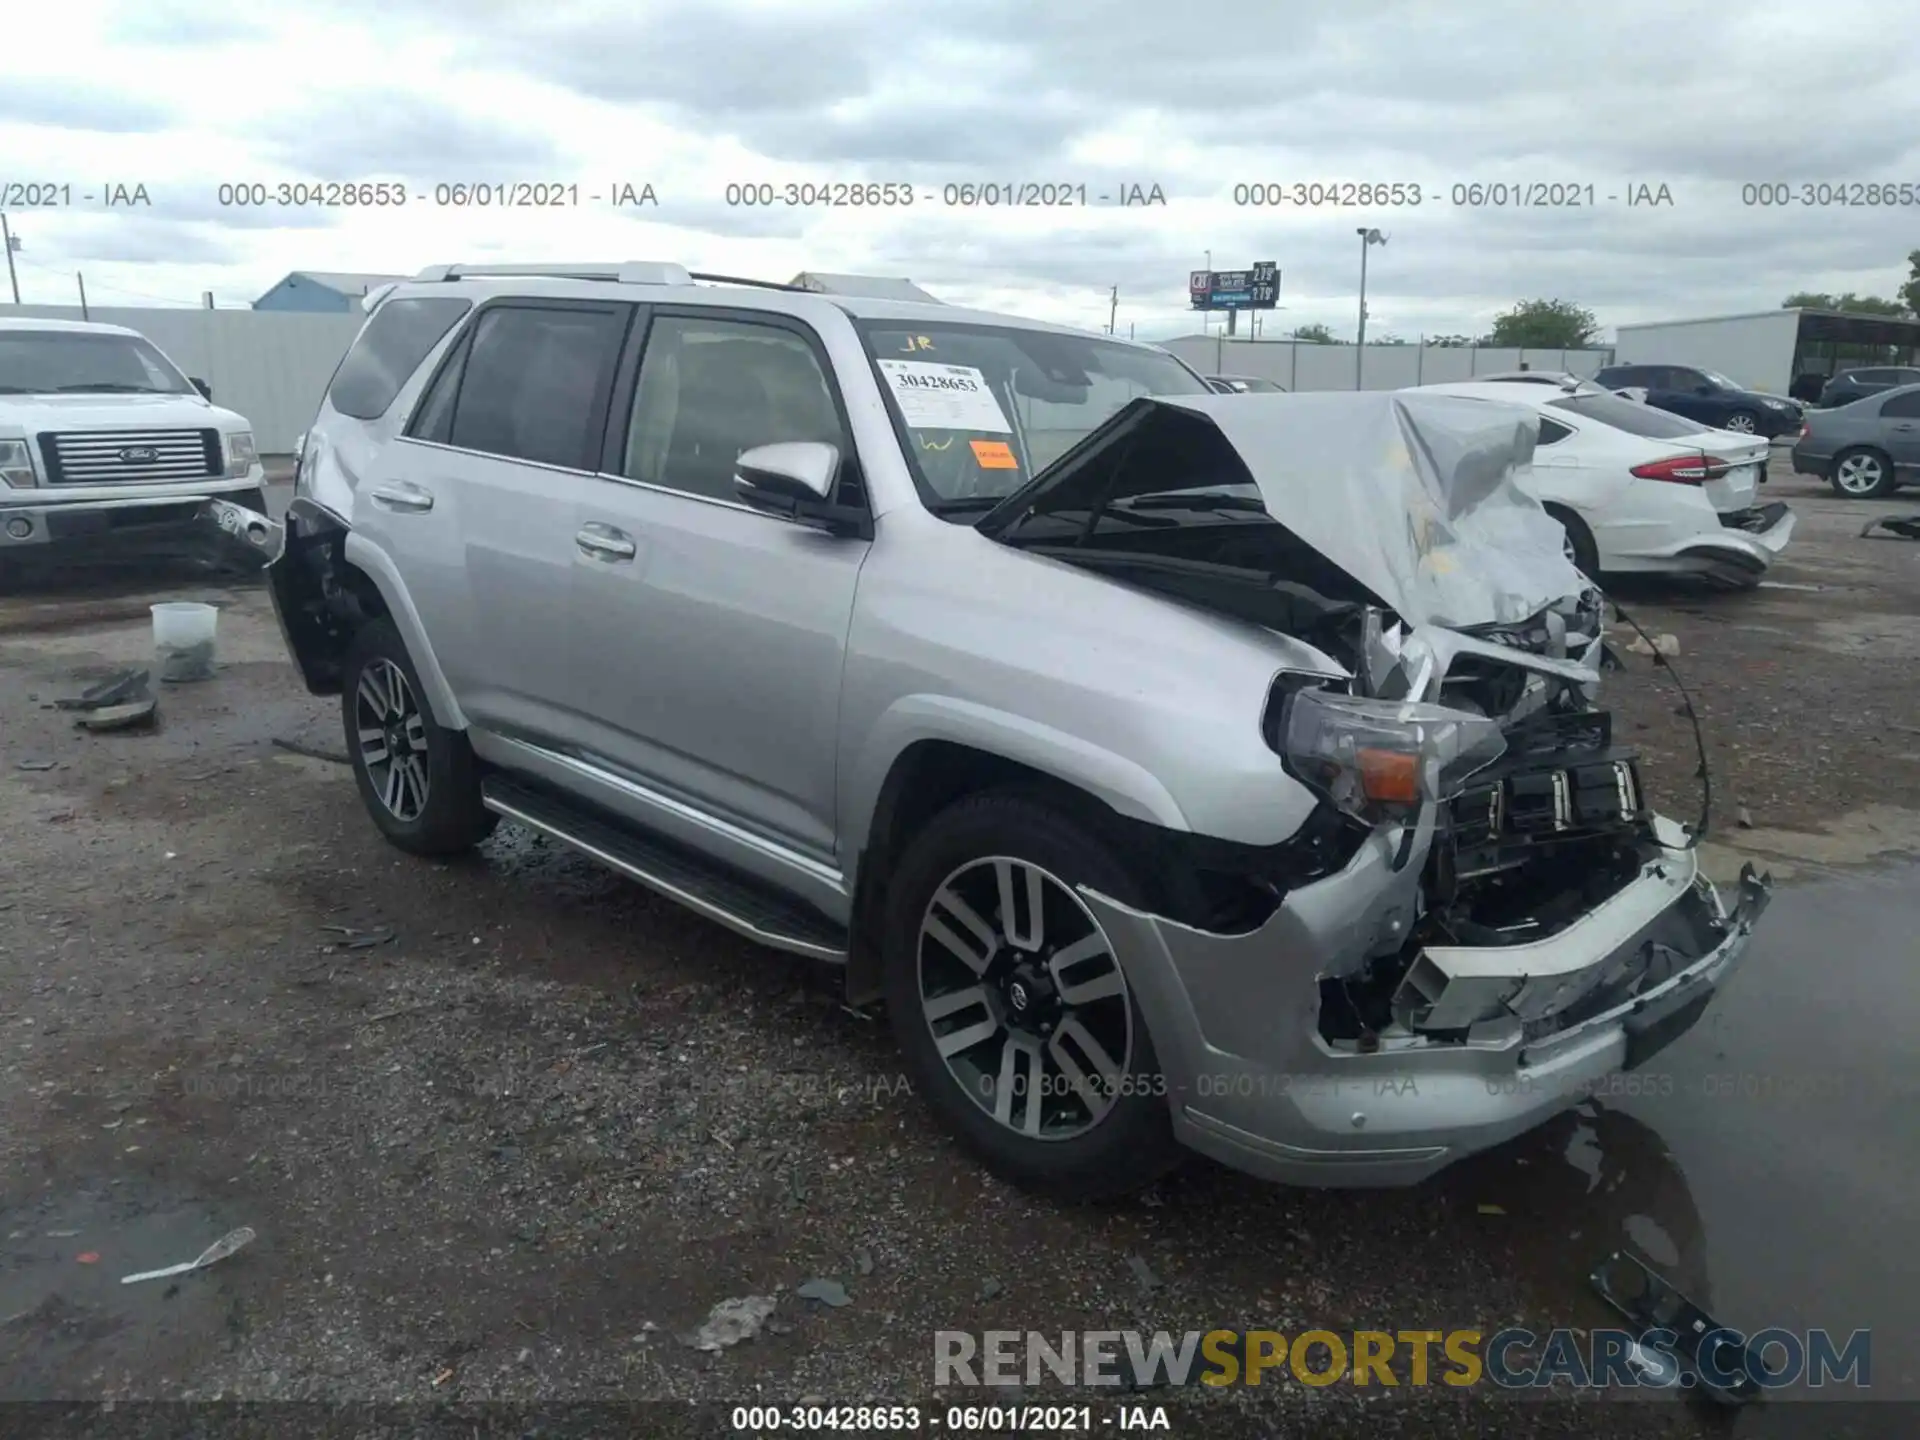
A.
pixel 389 349
pixel 1552 432
pixel 1903 405
pixel 1626 415
pixel 536 381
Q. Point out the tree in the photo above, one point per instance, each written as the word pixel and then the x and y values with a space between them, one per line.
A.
pixel 1851 303
pixel 1910 292
pixel 1450 342
pixel 1315 335
pixel 1543 325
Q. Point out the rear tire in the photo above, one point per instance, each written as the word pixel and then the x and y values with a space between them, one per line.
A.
pixel 1580 548
pixel 1862 474
pixel 1006 1095
pixel 418 779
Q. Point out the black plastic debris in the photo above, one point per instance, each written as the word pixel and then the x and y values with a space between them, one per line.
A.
pixel 1907 527
pixel 121 689
pixel 1724 1366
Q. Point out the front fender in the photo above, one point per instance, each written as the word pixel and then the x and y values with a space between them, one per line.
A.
pixel 1125 786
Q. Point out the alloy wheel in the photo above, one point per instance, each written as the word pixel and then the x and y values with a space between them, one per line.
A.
pixel 1027 1006
pixel 393 739
pixel 1740 424
pixel 1858 474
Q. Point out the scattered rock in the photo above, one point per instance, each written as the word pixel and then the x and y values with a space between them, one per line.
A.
pixel 1661 645
pixel 863 1261
pixel 1744 819
pixel 991 1289
pixel 36 764
pixel 1143 1272
pixel 827 1292
pixel 133 714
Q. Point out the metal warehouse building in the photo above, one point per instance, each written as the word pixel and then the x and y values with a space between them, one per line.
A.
pixel 1768 349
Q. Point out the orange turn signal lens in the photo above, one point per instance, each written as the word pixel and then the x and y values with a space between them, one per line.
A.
pixel 1390 776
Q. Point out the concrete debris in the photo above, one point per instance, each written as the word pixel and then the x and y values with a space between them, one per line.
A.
pixel 1661 645
pixel 730 1322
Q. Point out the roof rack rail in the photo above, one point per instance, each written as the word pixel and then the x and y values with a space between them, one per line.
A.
pixel 743 280
pixel 627 272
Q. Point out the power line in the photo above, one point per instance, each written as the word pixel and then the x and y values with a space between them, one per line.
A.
pixel 67 275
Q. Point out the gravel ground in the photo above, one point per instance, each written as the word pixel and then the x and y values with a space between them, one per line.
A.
pixel 507 1128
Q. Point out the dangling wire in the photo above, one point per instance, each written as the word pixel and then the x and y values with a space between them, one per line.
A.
pixel 1698 831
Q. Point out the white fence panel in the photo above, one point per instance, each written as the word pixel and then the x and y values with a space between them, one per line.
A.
pixel 1301 365
pixel 270 366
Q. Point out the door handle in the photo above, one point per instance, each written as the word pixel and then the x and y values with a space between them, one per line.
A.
pixel 405 498
pixel 603 542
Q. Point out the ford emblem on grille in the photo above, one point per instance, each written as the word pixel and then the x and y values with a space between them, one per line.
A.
pixel 139 455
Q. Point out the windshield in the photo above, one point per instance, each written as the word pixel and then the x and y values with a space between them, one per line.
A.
pixel 52 361
pixel 983 409
pixel 1625 415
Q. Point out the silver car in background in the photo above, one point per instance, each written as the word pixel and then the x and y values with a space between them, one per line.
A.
pixel 1178 769
pixel 1864 450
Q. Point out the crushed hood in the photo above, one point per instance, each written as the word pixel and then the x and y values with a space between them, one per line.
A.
pixel 1413 497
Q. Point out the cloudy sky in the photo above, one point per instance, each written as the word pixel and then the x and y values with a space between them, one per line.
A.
pixel 183 96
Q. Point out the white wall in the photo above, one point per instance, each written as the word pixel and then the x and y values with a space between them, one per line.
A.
pixel 1299 365
pixel 270 366
pixel 1755 350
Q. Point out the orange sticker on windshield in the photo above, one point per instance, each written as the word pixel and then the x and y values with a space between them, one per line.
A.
pixel 994 455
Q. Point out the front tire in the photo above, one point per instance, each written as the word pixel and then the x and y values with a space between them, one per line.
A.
pixel 1014 1018
pixel 1862 475
pixel 418 779
pixel 1742 422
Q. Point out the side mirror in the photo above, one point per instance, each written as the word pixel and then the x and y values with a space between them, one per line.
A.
pixel 206 390
pixel 795 479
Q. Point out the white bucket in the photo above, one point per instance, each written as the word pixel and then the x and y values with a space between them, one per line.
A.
pixel 183 639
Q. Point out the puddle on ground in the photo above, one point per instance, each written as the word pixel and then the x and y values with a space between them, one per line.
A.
pixel 61 1300
pixel 1764 1163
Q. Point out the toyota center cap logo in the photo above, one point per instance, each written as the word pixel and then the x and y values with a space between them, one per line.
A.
pixel 139 455
pixel 1018 994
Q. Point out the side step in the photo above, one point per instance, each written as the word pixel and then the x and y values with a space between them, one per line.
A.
pixel 742 905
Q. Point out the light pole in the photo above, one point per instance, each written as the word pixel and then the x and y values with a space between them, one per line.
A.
pixel 1367 237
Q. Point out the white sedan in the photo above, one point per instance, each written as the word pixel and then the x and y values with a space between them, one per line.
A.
pixel 1642 490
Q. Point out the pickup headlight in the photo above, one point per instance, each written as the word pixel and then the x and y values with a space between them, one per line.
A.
pixel 240 453
pixel 16 465
pixel 1378 760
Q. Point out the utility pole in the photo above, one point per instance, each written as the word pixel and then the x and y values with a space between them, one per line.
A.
pixel 1113 311
pixel 11 245
pixel 1367 237
pixel 83 295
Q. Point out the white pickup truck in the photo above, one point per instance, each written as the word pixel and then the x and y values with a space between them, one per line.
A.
pixel 104 440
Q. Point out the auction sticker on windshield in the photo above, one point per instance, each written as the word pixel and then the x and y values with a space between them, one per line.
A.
pixel 944 397
pixel 994 455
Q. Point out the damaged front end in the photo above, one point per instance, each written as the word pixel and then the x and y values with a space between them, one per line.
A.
pixel 1509 921
pixel 1525 821
pixel 1515 923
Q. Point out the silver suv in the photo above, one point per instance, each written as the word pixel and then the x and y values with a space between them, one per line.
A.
pixel 1178 768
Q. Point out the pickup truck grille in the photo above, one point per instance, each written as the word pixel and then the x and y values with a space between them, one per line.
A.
pixel 130 457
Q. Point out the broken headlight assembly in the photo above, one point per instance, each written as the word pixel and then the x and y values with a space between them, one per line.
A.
pixel 1380 760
